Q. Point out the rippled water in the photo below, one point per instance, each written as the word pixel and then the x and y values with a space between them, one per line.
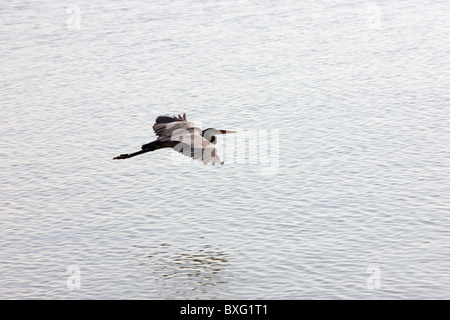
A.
pixel 356 204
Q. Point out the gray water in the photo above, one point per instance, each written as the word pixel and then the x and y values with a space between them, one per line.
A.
pixel 355 204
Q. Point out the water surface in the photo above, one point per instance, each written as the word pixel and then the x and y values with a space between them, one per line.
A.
pixel 357 206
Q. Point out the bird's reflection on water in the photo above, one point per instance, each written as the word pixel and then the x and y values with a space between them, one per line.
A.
pixel 189 273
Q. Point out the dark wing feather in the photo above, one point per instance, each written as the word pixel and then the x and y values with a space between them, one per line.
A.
pixel 165 125
pixel 168 119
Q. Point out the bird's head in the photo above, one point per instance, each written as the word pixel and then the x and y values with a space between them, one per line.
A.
pixel 210 133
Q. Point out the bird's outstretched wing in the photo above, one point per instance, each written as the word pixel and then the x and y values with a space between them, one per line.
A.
pixel 165 126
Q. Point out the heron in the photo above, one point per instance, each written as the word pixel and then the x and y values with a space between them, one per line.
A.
pixel 181 135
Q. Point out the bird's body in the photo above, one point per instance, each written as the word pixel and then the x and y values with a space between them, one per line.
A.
pixel 181 135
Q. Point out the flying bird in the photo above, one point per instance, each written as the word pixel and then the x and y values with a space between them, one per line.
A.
pixel 182 136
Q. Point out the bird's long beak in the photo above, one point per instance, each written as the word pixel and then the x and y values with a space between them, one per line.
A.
pixel 227 131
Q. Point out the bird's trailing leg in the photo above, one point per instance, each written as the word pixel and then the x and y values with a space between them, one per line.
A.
pixel 129 155
pixel 154 145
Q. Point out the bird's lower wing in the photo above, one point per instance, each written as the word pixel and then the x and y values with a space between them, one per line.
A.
pixel 206 154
